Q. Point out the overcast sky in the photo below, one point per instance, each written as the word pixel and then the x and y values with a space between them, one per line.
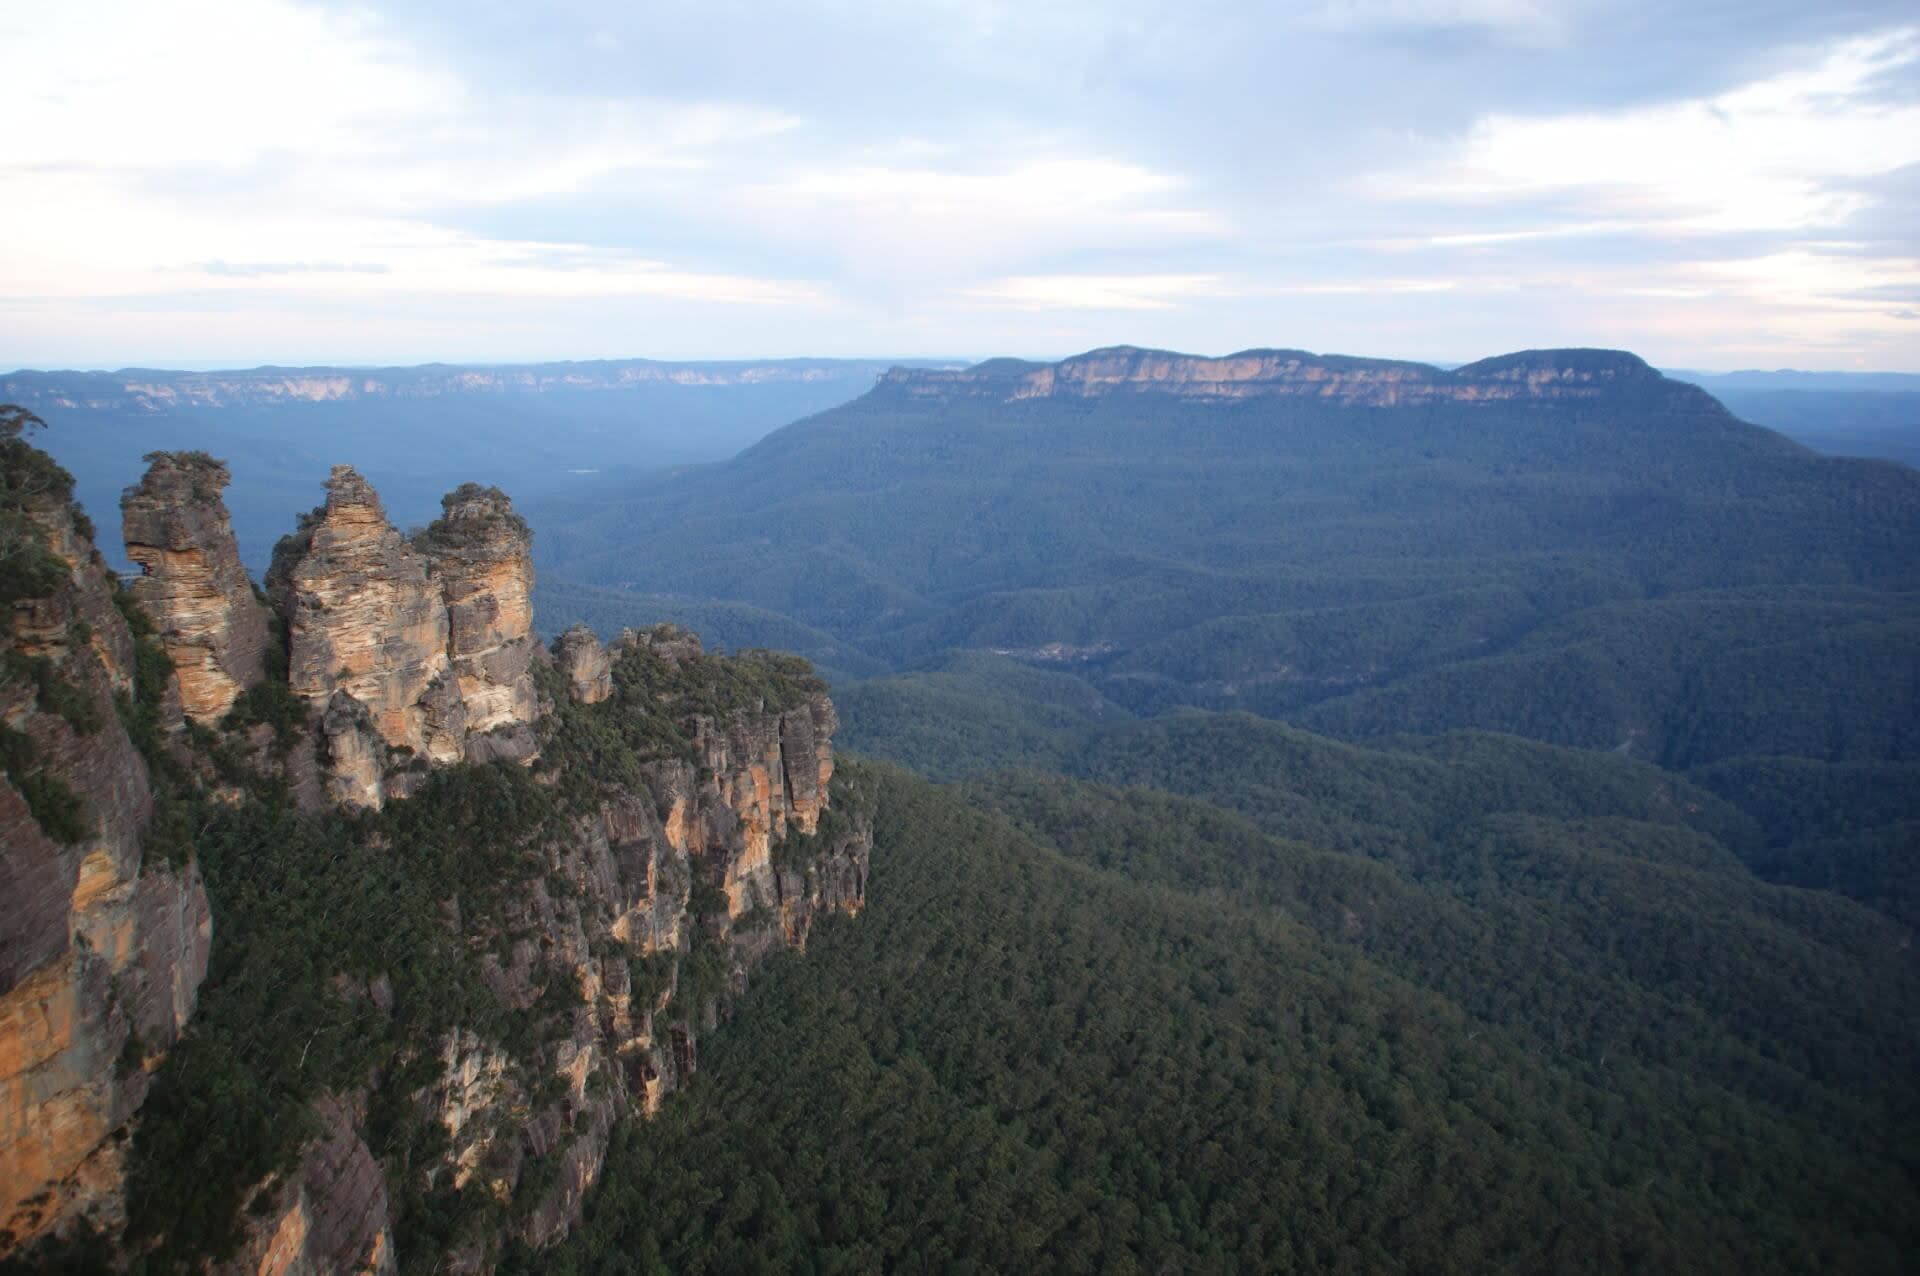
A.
pixel 1714 185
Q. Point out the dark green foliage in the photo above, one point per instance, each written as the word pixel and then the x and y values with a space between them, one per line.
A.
pixel 87 1252
pixel 52 693
pixel 56 808
pixel 16 421
pixel 976 713
pixel 1640 571
pixel 443 535
pixel 207 475
pixel 1192 1060
pixel 30 480
pixel 309 911
pixel 273 703
pixel 313 912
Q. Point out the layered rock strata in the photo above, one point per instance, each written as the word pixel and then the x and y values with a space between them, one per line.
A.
pixel 651 888
pixel 728 855
pixel 192 583
pixel 481 554
pixel 363 618
pixel 411 654
pixel 1528 375
pixel 102 948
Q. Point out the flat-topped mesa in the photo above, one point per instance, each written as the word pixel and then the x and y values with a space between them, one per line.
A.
pixel 481 554
pixel 1527 375
pixel 364 617
pixel 213 628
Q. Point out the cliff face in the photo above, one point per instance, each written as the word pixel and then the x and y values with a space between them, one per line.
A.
pixel 647 911
pixel 1529 375
pixel 614 837
pixel 193 586
pixel 409 652
pixel 102 947
pixel 363 619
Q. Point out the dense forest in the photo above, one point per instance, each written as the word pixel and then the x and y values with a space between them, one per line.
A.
pixel 1437 839
pixel 1087 1028
pixel 1383 975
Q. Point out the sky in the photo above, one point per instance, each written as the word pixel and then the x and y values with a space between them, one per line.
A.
pixel 225 183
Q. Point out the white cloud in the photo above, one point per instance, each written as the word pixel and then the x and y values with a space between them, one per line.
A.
pixel 140 136
pixel 1764 156
pixel 1097 292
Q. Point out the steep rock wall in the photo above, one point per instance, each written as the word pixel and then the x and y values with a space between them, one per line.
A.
pixel 409 654
pixel 651 911
pixel 481 554
pixel 192 583
pixel 649 890
pixel 363 618
pixel 101 954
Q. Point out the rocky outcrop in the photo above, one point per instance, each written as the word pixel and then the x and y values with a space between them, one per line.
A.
pixel 672 832
pixel 102 945
pixel 481 554
pixel 711 863
pixel 329 1215
pixel 363 618
pixel 192 584
pixel 583 660
pixel 432 640
pixel 1529 375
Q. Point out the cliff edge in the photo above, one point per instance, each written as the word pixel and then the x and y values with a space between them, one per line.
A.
pixel 462 903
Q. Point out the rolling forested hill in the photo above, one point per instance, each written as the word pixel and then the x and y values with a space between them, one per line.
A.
pixel 1361 566
pixel 1608 559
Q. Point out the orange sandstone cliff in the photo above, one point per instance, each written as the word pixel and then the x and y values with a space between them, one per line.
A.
pixel 639 907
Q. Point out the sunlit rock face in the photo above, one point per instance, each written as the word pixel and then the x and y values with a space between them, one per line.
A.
pixel 192 584
pixel 364 617
pixel 101 955
pixel 432 638
pixel 481 554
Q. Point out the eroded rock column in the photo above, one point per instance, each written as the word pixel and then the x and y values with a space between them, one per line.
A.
pixel 481 554
pixel 364 617
pixel 213 628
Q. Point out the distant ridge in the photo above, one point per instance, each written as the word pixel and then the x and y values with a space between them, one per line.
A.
pixel 150 390
pixel 1525 374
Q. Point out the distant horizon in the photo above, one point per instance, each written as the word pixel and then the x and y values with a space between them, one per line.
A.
pixel 197 367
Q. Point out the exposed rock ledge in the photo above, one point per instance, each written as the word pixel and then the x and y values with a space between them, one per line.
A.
pixel 1530 374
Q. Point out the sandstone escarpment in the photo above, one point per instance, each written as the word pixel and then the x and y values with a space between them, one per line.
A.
pixel 599 846
pixel 1530 375
pixel 640 914
pixel 103 946
pixel 192 583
